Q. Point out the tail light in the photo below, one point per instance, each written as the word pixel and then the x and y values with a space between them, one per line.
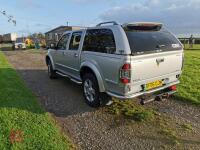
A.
pixel 125 73
pixel 172 88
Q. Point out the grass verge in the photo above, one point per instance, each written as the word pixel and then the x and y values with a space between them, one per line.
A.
pixel 23 122
pixel 189 88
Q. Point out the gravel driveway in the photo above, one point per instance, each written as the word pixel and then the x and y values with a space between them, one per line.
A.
pixel 94 128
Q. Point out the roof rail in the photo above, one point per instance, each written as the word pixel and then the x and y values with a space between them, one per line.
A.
pixel 113 22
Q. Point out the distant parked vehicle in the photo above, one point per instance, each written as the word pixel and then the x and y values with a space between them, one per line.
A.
pixel 24 43
pixel 20 43
pixel 123 61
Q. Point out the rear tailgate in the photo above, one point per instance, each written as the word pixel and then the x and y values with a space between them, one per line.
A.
pixel 150 66
pixel 156 56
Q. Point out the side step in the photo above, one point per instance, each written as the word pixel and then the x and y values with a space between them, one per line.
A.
pixel 67 76
pixel 76 81
pixel 160 97
pixel 62 74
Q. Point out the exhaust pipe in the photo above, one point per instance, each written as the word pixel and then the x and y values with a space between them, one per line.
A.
pixel 160 97
pixel 144 101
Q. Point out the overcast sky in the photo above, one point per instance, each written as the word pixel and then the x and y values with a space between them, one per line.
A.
pixel 180 16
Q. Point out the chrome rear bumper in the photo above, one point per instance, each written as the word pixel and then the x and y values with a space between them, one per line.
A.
pixel 142 93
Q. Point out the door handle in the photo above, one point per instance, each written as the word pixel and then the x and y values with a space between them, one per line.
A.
pixel 75 55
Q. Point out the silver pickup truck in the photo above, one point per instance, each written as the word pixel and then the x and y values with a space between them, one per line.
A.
pixel 123 61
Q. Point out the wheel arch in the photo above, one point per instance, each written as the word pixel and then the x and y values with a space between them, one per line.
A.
pixel 89 67
pixel 47 58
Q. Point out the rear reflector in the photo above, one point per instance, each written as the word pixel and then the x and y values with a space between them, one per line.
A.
pixel 172 88
pixel 125 73
pixel 126 66
pixel 125 81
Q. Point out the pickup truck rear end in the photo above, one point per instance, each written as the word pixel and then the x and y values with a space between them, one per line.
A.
pixel 155 62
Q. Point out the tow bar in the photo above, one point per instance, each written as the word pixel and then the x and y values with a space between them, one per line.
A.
pixel 159 97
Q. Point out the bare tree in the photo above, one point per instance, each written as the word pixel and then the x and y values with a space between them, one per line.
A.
pixel 10 17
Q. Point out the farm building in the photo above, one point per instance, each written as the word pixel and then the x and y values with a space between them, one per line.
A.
pixel 9 37
pixel 54 35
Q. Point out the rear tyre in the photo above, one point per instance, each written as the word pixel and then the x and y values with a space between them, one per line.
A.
pixel 91 90
pixel 51 73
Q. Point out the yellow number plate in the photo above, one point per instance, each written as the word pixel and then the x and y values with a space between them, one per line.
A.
pixel 153 85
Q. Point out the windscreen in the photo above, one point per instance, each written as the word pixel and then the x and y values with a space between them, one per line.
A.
pixel 20 40
pixel 148 41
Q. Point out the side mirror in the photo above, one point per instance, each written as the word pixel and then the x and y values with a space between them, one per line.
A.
pixel 52 46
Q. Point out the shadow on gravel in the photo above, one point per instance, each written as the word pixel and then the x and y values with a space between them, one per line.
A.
pixel 186 101
pixel 60 96
pixel 168 140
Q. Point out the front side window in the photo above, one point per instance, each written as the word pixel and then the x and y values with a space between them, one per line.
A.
pixel 75 41
pixel 99 40
pixel 63 42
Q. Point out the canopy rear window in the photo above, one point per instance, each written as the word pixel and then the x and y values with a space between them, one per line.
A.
pixel 148 39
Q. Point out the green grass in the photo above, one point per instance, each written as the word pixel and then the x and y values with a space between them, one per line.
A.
pixel 189 89
pixel 21 115
pixel 131 110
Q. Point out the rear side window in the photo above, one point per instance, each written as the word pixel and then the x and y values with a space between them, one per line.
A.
pixel 149 41
pixel 75 41
pixel 99 40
